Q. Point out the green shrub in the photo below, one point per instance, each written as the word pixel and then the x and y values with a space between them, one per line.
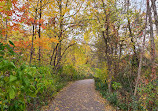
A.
pixel 116 85
pixel 101 73
pixel 112 98
pixel 148 95
pixel 22 86
pixel 69 71
pixel 72 73
pixel 17 82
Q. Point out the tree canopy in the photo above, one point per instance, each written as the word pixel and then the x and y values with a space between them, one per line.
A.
pixel 115 41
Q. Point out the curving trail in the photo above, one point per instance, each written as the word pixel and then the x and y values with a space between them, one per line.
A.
pixel 79 96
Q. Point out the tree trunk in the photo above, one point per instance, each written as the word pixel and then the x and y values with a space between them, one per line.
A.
pixel 107 51
pixel 6 35
pixel 152 44
pixel 141 60
pixel 58 66
pixel 33 35
pixel 51 58
pixel 155 14
pixel 31 53
pixel 39 32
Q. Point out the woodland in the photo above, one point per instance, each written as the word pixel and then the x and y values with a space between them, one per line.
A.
pixel 44 44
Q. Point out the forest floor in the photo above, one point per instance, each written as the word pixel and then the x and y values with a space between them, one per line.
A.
pixel 79 96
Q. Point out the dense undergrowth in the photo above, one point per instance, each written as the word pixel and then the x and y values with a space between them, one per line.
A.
pixel 123 99
pixel 24 87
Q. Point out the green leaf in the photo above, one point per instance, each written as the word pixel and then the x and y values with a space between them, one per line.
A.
pixel 11 43
pixel 12 78
pixel 37 90
pixel 19 75
pixel 6 65
pixel 11 65
pixel 32 88
pixel 11 93
pixel 29 75
pixel 1 52
pixel 26 81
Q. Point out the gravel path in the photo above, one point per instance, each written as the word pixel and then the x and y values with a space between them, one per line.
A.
pixel 79 96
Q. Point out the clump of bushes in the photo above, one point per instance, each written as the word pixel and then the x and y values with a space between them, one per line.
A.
pixel 125 101
pixel 112 97
pixel 29 87
pixel 22 86
pixel 72 73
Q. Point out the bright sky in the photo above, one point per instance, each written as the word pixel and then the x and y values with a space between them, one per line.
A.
pixel 138 4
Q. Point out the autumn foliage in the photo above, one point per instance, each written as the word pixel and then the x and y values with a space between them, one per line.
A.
pixel 113 40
